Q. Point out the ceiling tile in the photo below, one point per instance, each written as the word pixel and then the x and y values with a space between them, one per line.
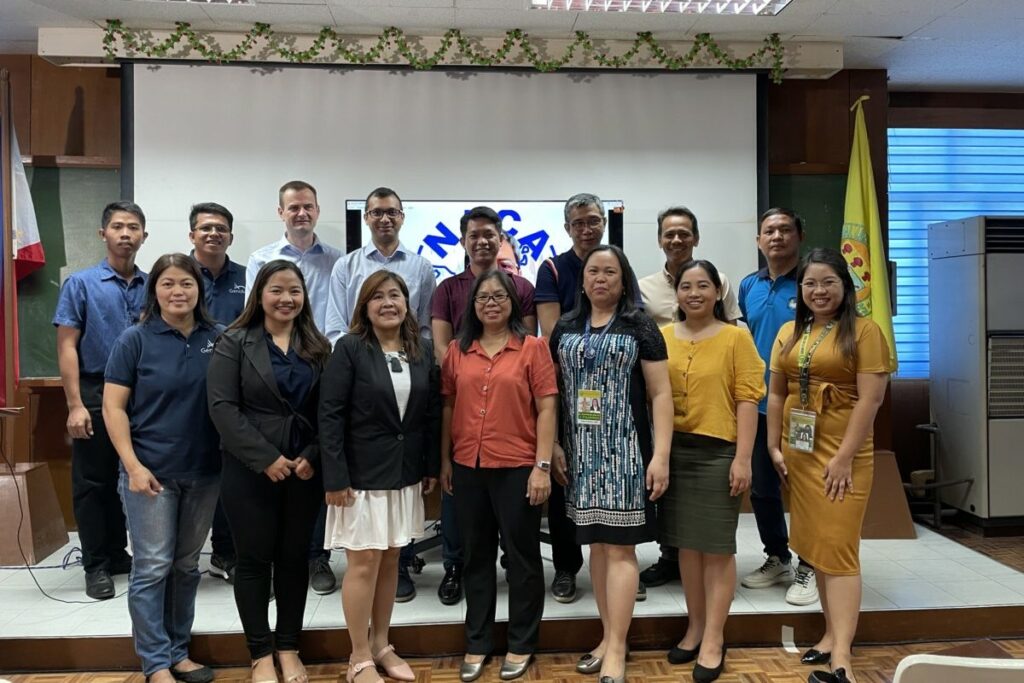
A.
pixel 101 10
pixel 618 25
pixel 310 16
pixel 833 25
pixel 922 8
pixel 991 8
pixel 983 29
pixel 537 23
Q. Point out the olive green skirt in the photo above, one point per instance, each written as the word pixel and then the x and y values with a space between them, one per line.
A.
pixel 697 512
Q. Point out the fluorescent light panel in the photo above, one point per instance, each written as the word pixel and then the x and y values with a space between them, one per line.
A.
pixel 765 8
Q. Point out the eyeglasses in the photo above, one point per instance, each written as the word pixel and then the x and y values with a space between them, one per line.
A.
pixel 827 283
pixel 498 298
pixel 207 229
pixel 380 213
pixel 592 222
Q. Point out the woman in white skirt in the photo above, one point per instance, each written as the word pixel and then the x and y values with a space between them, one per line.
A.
pixel 379 437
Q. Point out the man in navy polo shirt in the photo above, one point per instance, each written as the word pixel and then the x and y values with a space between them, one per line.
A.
pixel 95 306
pixel 558 285
pixel 211 233
pixel 767 299
pixel 482 239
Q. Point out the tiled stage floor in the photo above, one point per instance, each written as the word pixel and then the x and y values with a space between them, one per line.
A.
pixel 927 573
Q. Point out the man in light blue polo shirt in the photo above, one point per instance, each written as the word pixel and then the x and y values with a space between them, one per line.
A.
pixel 767 299
pixel 95 306
pixel 299 211
pixel 384 217
pixel 211 232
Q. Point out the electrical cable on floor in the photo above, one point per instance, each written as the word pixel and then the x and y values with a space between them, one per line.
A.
pixel 21 522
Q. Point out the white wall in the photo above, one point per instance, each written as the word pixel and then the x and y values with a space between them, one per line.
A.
pixel 234 134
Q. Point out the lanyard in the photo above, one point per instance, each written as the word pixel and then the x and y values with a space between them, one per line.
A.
pixel 590 350
pixel 804 360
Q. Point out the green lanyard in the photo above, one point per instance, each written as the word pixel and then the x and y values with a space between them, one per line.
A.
pixel 804 360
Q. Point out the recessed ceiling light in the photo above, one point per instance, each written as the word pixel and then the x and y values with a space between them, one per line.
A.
pixel 718 7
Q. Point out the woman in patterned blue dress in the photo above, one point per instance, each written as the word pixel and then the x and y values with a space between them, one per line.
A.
pixel 612 363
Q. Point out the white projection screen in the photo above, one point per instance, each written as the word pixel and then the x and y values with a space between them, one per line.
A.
pixel 235 134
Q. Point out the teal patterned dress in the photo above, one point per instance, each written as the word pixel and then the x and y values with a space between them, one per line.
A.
pixel 607 497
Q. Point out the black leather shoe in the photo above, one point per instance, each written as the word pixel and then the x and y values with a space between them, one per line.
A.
pixel 678 655
pixel 660 573
pixel 837 676
pixel 702 674
pixel 450 590
pixel 203 674
pixel 406 589
pixel 563 588
pixel 813 656
pixel 99 585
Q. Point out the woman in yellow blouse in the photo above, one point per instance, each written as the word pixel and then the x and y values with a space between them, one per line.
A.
pixel 829 370
pixel 717 381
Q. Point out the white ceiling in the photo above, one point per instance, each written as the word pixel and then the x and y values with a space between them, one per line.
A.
pixel 970 45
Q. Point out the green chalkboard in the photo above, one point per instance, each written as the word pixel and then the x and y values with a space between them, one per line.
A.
pixel 818 199
pixel 68 203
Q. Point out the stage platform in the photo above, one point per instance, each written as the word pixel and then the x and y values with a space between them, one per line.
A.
pixel 929 588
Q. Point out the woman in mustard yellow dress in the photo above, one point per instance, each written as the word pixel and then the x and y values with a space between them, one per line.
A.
pixel 829 371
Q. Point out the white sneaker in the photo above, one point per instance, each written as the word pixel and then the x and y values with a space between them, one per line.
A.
pixel 804 590
pixel 773 571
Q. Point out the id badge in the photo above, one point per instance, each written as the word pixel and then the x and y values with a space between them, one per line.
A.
pixel 588 407
pixel 801 430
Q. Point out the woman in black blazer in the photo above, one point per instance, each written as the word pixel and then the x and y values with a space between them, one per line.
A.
pixel 263 387
pixel 380 423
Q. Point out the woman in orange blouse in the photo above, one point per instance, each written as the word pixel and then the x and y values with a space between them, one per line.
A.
pixel 498 427
pixel 829 373
pixel 717 381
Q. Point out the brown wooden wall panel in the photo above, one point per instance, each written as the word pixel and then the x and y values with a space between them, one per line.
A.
pixel 910 407
pixel 807 125
pixel 956 110
pixel 75 111
pixel 19 68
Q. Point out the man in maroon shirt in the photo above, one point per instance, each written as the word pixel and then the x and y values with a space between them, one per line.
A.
pixel 481 238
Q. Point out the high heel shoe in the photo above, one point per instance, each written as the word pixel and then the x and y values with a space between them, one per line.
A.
pixel 399 672
pixel 613 679
pixel 702 674
pixel 256 663
pixel 511 670
pixel 813 656
pixel 469 671
pixel 679 655
pixel 301 676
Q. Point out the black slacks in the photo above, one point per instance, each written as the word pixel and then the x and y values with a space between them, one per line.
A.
pixel 271 524
pixel 489 500
pixel 566 554
pixel 95 467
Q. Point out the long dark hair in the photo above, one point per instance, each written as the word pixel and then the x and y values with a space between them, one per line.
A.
pixel 182 262
pixel 471 328
pixel 716 280
pixel 846 314
pixel 306 339
pixel 626 308
pixel 361 326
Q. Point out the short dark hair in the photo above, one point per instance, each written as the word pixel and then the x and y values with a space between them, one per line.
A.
pixel 296 185
pixel 480 212
pixel 781 211
pixel 124 205
pixel 384 193
pixel 678 211
pixel 471 327
pixel 210 207
pixel 716 280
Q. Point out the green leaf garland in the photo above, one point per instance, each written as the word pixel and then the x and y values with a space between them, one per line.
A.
pixel 328 42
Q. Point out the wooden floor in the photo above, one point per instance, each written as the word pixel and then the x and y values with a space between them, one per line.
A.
pixel 745 665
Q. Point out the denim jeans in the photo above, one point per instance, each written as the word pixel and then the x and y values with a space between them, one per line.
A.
pixel 167 533
pixel 766 497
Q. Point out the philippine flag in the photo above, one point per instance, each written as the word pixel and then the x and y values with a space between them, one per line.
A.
pixel 28 250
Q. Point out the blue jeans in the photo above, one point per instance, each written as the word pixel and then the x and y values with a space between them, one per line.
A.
pixel 766 497
pixel 167 533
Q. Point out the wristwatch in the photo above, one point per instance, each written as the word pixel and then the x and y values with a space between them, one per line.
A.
pixel 543 465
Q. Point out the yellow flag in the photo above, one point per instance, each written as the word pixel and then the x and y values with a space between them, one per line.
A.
pixel 862 244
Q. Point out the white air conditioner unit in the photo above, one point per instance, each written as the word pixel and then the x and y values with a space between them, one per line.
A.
pixel 976 333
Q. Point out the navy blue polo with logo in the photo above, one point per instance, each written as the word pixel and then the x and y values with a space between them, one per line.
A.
pixel 767 305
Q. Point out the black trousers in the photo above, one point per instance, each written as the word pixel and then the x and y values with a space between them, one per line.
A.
pixel 271 523
pixel 220 535
pixel 565 551
pixel 489 500
pixel 94 473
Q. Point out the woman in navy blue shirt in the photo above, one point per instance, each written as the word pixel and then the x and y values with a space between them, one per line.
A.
pixel 264 386
pixel 154 407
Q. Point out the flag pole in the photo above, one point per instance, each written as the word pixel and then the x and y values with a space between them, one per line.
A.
pixel 7 191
